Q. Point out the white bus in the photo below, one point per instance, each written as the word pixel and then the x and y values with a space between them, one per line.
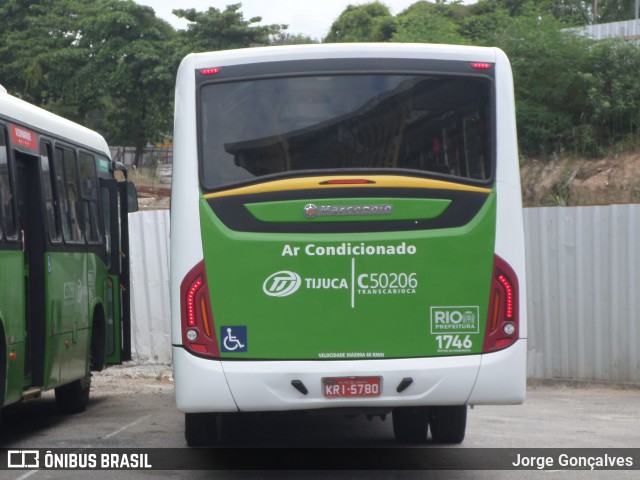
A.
pixel 347 235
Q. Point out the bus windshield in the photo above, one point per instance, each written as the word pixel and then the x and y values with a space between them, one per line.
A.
pixel 440 124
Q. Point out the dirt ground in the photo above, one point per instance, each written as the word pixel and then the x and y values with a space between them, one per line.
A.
pixel 572 182
pixel 132 379
pixel 153 197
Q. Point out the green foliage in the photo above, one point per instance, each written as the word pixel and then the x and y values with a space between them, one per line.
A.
pixel 572 94
pixel 285 38
pixel 370 22
pixel 615 11
pixel 487 24
pixel 111 64
pixel 612 89
pixel 547 64
pixel 223 29
pixel 425 22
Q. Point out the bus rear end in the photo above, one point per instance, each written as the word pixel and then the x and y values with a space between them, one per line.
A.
pixel 347 234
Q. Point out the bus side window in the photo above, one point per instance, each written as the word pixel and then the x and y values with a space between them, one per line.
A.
pixel 90 210
pixel 73 195
pixel 62 193
pixel 7 219
pixel 48 184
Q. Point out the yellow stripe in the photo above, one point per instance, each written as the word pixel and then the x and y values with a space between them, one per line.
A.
pixel 314 183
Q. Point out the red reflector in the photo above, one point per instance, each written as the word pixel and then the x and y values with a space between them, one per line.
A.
pixel 348 181
pixel 196 347
pixel 481 65
pixel 209 71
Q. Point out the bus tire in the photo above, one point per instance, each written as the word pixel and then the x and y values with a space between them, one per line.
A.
pixel 97 354
pixel 74 397
pixel 411 424
pixel 200 429
pixel 448 424
pixel 3 371
pixel 3 366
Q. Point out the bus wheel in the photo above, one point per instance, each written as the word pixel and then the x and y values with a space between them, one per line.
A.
pixel 410 424
pixel 200 429
pixel 3 368
pixel 448 424
pixel 97 358
pixel 73 397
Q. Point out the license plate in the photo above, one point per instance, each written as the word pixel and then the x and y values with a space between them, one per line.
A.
pixel 340 387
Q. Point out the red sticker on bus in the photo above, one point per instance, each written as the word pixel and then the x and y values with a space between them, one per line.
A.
pixel 21 137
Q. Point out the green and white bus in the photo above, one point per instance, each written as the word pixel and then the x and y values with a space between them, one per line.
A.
pixel 347 235
pixel 64 274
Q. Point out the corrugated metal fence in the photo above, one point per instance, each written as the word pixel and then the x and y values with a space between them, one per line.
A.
pixel 583 291
pixel 627 30
pixel 150 308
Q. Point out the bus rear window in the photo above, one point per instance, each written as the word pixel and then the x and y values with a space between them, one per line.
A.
pixel 434 124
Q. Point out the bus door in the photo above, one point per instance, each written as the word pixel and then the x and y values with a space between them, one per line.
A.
pixel 116 224
pixel 31 231
pixel 12 279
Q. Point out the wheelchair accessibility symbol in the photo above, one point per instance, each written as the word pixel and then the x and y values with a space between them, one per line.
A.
pixel 234 339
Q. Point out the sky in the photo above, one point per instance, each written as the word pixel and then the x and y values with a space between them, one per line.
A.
pixel 309 17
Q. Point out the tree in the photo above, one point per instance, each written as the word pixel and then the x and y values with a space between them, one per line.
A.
pixel 370 22
pixel 486 24
pixel 122 73
pixel 106 64
pixel 285 38
pixel 548 65
pixel 615 11
pixel 111 64
pixel 29 32
pixel 133 56
pixel 222 30
pixel 430 22
pixel 612 91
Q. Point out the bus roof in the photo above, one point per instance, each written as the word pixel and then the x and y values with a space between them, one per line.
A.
pixel 346 50
pixel 30 116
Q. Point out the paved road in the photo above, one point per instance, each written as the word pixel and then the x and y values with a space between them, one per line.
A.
pixel 553 416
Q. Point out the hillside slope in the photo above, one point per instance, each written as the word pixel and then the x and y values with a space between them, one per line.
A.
pixel 570 181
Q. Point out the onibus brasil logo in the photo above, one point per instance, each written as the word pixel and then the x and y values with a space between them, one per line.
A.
pixel 282 284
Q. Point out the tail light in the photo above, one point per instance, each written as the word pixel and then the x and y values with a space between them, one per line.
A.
pixel 198 329
pixel 502 319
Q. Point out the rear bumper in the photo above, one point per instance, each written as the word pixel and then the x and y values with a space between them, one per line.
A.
pixel 226 386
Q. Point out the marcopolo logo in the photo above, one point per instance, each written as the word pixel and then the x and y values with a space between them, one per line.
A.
pixel 313 211
pixel 310 210
pixel 282 284
pixel 455 319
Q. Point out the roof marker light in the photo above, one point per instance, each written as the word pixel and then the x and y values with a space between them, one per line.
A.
pixel 209 71
pixel 481 65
